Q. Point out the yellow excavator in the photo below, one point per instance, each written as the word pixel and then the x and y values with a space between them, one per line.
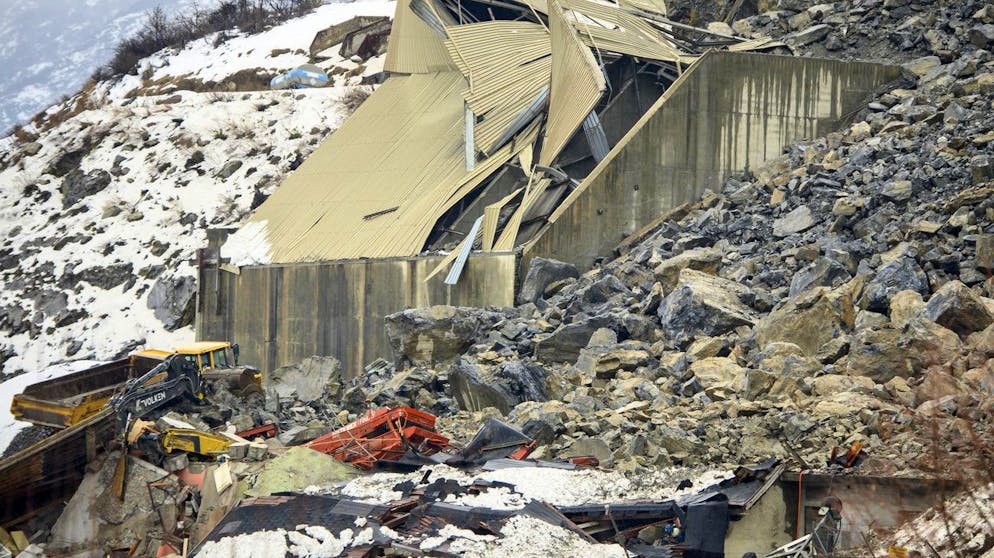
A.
pixel 71 399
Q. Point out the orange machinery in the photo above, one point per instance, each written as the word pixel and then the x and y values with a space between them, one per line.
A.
pixel 385 433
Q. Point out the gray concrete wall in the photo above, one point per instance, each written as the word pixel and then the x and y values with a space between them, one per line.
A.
pixel 731 112
pixel 869 504
pixel 763 527
pixel 280 314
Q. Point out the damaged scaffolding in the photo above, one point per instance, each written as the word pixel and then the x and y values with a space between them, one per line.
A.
pixel 494 112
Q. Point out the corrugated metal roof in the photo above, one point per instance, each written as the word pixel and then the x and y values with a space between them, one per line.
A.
pixel 403 148
pixel 414 47
pixel 577 85
pixel 500 87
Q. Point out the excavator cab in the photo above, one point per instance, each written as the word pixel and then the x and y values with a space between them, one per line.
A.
pixel 218 362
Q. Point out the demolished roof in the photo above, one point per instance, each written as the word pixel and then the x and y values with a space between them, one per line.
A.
pixel 465 97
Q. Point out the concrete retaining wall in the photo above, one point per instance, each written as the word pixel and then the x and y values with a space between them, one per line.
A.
pixel 280 314
pixel 731 112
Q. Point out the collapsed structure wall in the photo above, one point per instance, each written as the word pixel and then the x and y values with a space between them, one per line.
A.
pixel 281 314
pixel 729 113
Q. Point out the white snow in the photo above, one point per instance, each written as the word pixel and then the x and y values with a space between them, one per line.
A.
pixel 248 52
pixel 307 541
pixel 248 245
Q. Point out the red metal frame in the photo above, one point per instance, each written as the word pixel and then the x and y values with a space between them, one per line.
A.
pixel 384 433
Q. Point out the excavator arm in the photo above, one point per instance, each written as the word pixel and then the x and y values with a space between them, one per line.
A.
pixel 137 400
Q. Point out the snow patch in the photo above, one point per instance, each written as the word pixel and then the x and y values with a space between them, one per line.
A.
pixel 249 245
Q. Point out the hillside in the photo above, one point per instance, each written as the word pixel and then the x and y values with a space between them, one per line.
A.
pixel 103 211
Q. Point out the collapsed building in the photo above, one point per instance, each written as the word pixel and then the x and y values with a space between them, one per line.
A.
pixel 505 131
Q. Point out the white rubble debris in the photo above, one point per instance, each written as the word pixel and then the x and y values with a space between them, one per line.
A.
pixel 528 537
pixel 559 487
pixel 261 544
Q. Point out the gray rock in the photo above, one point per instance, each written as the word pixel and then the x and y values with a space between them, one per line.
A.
pixel 798 220
pixel 173 300
pixel 312 379
pixel 982 36
pixel 428 336
pixel 229 169
pixel 77 186
pixel 955 306
pixel 564 344
pixel 807 36
pixel 902 274
pixel 106 277
pixel 897 190
pixel 476 387
pixel 541 273
pixel 823 272
pixel 703 304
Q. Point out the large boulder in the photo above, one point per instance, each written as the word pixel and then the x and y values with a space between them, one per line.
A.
pixel 476 387
pixel 717 371
pixel 904 306
pixel 878 355
pixel 428 336
pixel 701 259
pixel 77 186
pixel 312 379
pixel 173 301
pixel 564 344
pixel 823 272
pixel 959 308
pixel 703 304
pixel 930 343
pixel 901 274
pixel 543 272
pixel 810 320
pixel 798 220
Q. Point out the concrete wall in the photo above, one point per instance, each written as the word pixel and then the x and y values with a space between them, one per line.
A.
pixel 763 528
pixel 280 314
pixel 869 504
pixel 731 112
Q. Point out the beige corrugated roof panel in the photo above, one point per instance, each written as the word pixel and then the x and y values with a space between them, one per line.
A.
pixel 377 186
pixel 507 65
pixel 414 47
pixel 577 85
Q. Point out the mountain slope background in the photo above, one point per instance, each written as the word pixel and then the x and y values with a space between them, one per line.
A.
pixel 49 48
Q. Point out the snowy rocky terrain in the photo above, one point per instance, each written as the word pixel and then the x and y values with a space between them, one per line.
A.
pixel 102 212
pixel 49 48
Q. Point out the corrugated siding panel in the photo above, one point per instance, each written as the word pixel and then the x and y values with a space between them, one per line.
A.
pixel 577 84
pixel 414 47
pixel 507 64
pixel 403 148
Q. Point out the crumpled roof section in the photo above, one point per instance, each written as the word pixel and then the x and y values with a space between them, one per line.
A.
pixel 500 87
pixel 485 98
pixel 577 85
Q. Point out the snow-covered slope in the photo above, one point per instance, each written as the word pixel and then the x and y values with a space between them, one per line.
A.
pixel 48 48
pixel 112 201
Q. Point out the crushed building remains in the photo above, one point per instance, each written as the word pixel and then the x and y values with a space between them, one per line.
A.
pixel 506 131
